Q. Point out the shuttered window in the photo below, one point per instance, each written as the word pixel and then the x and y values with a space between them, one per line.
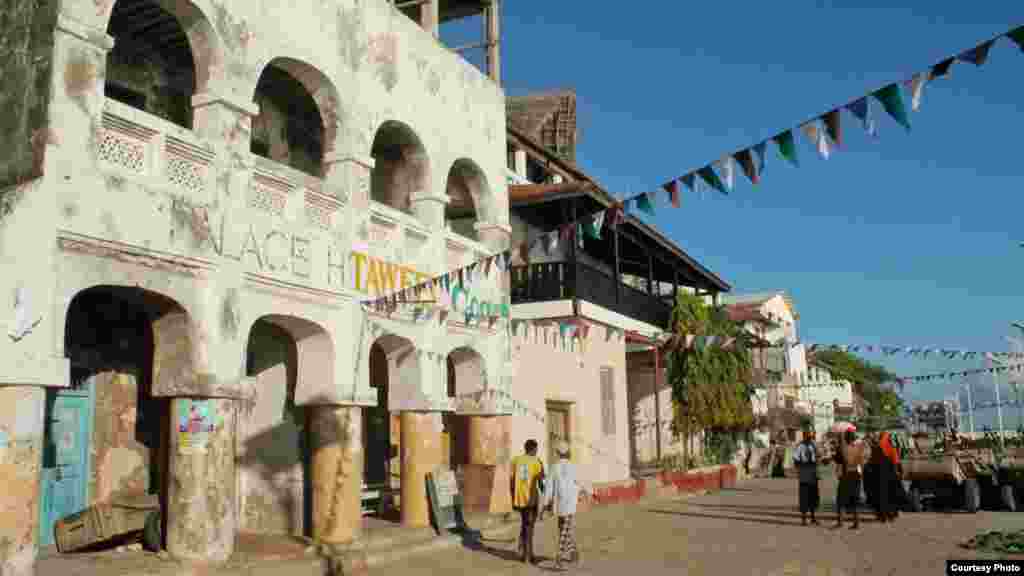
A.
pixel 608 401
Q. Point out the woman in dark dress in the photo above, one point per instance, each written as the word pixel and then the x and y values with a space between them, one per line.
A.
pixel 890 487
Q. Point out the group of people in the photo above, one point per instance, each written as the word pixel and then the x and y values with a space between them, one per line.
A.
pixel 857 464
pixel 534 491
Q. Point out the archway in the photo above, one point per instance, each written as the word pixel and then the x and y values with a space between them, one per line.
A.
pixel 283 355
pixel 466 375
pixel 401 166
pixel 106 436
pixel 295 126
pixel 390 355
pixel 470 198
pixel 162 55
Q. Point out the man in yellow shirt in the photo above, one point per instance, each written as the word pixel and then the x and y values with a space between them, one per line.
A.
pixel 527 479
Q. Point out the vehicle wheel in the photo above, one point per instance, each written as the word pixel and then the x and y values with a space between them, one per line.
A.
pixel 151 539
pixel 1009 502
pixel 914 499
pixel 972 495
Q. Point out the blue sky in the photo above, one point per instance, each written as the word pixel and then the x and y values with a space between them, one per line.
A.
pixel 908 240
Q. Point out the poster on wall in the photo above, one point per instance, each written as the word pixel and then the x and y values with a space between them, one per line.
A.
pixel 195 423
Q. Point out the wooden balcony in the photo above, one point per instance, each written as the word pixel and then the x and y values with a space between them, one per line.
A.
pixel 550 281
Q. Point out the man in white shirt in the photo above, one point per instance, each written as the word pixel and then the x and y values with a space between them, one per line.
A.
pixel 565 493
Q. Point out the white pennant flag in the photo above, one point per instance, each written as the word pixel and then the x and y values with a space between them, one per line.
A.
pixel 552 241
pixel 728 170
pixel 917 89
pixel 817 138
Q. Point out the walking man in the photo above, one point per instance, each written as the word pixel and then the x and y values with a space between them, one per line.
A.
pixel 527 477
pixel 806 460
pixel 565 493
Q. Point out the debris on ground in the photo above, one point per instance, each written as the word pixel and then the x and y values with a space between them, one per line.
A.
pixel 999 542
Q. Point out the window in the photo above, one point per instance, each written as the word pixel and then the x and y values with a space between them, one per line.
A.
pixel 607 401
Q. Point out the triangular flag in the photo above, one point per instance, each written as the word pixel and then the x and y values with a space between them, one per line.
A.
pixel 579 234
pixel 816 137
pixel 643 204
pixel 861 109
pixel 760 150
pixel 552 242
pixel 892 100
pixel 941 69
pixel 673 192
pixel 917 89
pixel 787 146
pixel 598 223
pixel 746 162
pixel 592 228
pixel 1017 35
pixel 728 170
pixel 689 181
pixel 707 174
pixel 977 55
pixel 831 120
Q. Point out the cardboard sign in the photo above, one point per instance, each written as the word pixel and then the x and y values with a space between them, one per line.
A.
pixel 445 500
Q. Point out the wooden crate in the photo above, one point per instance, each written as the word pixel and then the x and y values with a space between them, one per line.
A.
pixel 103 522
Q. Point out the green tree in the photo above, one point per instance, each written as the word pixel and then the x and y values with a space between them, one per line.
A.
pixel 883 404
pixel 711 385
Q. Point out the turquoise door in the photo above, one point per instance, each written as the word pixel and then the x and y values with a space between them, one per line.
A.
pixel 65 470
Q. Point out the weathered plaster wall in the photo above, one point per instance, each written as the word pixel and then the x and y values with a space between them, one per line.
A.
pixel 26 45
pixel 272 440
pixel 21 441
pixel 545 371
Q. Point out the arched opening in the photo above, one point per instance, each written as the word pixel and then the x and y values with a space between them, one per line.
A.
pixel 283 354
pixel 151 67
pixel 290 127
pixel 401 167
pixel 466 375
pixel 390 356
pixel 469 193
pixel 106 436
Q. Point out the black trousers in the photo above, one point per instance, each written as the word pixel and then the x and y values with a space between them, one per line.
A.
pixel 528 516
pixel 809 497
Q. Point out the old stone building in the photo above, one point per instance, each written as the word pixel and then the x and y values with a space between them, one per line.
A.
pixel 195 198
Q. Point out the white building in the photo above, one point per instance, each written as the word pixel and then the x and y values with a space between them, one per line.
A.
pixel 830 400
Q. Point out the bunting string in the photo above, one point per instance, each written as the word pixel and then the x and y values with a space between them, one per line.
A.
pixel 914 351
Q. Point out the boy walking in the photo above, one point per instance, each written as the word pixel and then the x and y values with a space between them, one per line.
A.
pixel 527 475
pixel 565 493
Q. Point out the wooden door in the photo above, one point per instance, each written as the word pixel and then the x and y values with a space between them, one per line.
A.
pixel 558 428
pixel 65 470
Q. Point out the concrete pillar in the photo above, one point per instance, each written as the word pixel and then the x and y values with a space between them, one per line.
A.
pixel 421 454
pixel 201 517
pixel 493 35
pixel 484 439
pixel 429 208
pixel 21 444
pixel 486 476
pixel 430 18
pixel 337 445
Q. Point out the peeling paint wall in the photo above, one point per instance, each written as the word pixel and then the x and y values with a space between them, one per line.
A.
pixel 124 446
pixel 21 439
pixel 26 46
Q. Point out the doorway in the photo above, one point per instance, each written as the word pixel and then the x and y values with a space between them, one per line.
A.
pixel 558 427
pixel 66 441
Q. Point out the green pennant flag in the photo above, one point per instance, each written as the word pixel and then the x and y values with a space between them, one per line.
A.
pixel 643 204
pixel 892 100
pixel 707 174
pixel 1017 35
pixel 787 146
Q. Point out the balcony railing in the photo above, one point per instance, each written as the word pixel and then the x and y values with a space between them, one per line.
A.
pixel 549 281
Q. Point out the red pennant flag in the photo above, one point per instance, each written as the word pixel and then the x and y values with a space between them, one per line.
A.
pixel 746 162
pixel 831 120
pixel 673 192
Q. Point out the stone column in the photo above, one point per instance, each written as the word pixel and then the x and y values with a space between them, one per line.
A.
pixel 429 208
pixel 21 445
pixel 337 473
pixel 201 516
pixel 421 454
pixel 492 29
